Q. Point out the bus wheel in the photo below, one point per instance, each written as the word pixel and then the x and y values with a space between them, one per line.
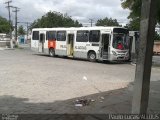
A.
pixel 51 52
pixel 92 56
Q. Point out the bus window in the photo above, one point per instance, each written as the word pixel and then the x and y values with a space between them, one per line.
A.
pixel 94 36
pixel 51 35
pixel 82 36
pixel 42 38
pixel 120 39
pixel 35 35
pixel 61 36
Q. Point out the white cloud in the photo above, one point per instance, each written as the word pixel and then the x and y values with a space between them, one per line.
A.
pixel 81 10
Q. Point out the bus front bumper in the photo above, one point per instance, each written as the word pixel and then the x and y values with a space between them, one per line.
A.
pixel 119 57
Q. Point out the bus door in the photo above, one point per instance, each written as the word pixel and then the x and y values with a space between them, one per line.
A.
pixel 41 43
pixel 104 49
pixel 70 44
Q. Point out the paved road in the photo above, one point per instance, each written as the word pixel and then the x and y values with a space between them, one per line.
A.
pixel 156 60
pixel 37 79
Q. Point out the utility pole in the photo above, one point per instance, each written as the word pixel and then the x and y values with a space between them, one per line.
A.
pixel 144 60
pixel 8 6
pixel 91 21
pixel 16 10
pixel 27 29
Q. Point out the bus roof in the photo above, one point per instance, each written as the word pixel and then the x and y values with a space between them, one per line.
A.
pixel 76 28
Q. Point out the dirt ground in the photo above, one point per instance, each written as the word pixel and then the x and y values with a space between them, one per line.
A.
pixel 31 83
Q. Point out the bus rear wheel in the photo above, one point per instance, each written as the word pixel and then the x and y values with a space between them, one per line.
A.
pixel 51 52
pixel 92 56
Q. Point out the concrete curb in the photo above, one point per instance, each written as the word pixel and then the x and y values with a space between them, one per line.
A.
pixel 153 65
pixel 7 48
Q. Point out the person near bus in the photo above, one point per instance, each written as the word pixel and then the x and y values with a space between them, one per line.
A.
pixel 120 46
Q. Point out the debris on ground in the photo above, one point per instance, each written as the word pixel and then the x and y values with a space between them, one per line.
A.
pixel 83 102
pixel 102 98
pixel 92 100
pixel 78 105
pixel 84 78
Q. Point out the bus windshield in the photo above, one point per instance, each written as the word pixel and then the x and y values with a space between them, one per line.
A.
pixel 121 39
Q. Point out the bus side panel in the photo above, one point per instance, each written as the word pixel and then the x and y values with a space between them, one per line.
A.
pixel 34 45
pixel 61 48
pixel 35 37
pixel 94 47
pixel 52 44
pixel 80 50
pixel 46 50
pixel 80 54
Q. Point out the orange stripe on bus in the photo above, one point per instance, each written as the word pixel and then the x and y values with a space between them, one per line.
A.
pixel 51 44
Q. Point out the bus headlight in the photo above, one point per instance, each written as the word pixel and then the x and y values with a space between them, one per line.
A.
pixel 114 53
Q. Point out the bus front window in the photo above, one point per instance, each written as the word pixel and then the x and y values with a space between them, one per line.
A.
pixel 120 41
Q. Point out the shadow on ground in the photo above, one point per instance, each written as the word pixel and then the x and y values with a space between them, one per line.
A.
pixel 115 101
pixel 84 60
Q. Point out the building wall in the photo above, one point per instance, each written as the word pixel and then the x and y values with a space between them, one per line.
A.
pixel 4 43
pixel 156 48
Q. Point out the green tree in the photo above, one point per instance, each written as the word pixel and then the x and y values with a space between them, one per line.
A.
pixel 107 22
pixel 135 12
pixel 55 19
pixel 4 25
pixel 21 30
pixel 134 24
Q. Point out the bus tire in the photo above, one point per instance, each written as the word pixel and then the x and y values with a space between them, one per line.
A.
pixel 92 56
pixel 51 52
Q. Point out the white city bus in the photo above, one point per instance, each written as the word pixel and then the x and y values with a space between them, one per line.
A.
pixel 92 43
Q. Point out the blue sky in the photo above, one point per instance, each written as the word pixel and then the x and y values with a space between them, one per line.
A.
pixel 81 10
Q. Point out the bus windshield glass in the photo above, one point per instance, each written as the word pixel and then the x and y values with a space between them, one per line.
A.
pixel 120 39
